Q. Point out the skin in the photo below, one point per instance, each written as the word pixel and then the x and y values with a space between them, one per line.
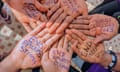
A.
pixel 43 6
pixel 85 48
pixel 74 7
pixel 80 23
pixel 70 8
pixel 100 26
pixel 51 61
pixel 24 55
pixel 88 51
pixel 28 22
pixel 48 3
pixel 21 11
pixel 21 60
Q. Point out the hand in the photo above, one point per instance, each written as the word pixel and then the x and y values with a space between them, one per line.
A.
pixel 80 23
pixel 27 13
pixel 85 48
pixel 74 7
pixel 101 26
pixel 70 8
pixel 105 27
pixel 58 58
pixel 29 50
pixel 48 3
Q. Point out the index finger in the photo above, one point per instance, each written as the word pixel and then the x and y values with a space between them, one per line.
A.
pixel 54 17
pixel 53 9
pixel 60 44
pixel 40 7
pixel 80 34
pixel 66 43
pixel 27 27
pixel 37 30
pixel 64 24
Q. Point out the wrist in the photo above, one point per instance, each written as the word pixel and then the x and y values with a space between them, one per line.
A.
pixel 106 60
pixel 9 65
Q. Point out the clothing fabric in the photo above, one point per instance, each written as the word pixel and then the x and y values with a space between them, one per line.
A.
pixel 97 68
pixel 119 1
pixel 108 8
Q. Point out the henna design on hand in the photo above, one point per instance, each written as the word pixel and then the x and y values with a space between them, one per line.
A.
pixel 32 44
pixel 60 60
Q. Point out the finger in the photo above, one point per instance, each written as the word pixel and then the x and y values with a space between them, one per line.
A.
pixel 79 46
pixel 73 40
pixel 61 43
pixel 72 36
pixel 42 33
pixel 74 47
pixel 80 21
pixel 38 29
pixel 79 26
pixel 68 37
pixel 57 23
pixel 54 17
pixel 99 39
pixel 52 40
pixel 33 25
pixel 78 33
pixel 55 45
pixel 75 37
pixel 92 25
pixel 64 24
pixel 54 8
pixel 85 13
pixel 71 51
pixel 88 32
pixel 38 23
pixel 52 53
pixel 66 43
pixel 69 33
pixel 46 37
pixel 43 18
pixel 98 31
pixel 45 57
pixel 40 7
pixel 86 17
pixel 27 27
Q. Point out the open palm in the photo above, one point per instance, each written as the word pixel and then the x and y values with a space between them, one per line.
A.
pixel 58 58
pixel 28 12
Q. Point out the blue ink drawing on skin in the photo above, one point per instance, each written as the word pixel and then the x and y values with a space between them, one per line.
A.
pixel 34 44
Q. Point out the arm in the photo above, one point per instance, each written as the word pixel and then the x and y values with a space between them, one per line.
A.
pixel 88 51
pixel 107 60
pixel 9 65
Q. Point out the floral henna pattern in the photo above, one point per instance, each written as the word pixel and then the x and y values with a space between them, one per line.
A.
pixel 32 44
pixel 59 58
pixel 71 7
pixel 31 10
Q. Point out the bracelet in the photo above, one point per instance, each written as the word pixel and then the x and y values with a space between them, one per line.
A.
pixel 114 60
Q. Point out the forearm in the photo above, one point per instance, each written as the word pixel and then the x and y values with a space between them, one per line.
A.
pixel 108 59
pixel 8 65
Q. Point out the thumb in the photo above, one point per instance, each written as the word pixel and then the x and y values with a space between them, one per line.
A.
pixel 45 57
pixel 99 39
pixel 40 7
pixel 74 47
pixel 85 13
